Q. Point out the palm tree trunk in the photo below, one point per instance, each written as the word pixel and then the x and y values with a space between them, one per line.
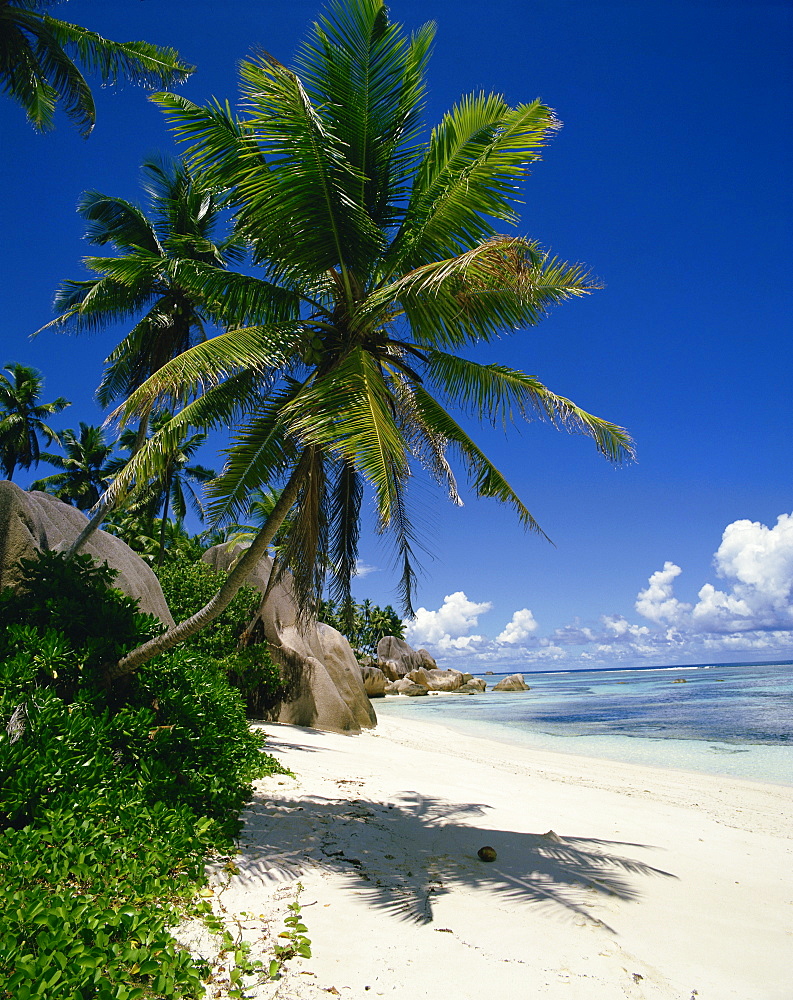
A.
pixel 236 578
pixel 93 524
pixel 162 524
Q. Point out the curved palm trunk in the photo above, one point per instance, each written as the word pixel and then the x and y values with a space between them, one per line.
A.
pixel 92 526
pixel 236 578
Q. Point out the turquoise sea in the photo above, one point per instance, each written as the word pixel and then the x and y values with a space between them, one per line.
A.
pixel 724 719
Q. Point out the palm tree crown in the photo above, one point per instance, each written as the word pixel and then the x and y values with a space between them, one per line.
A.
pixel 144 279
pixel 381 264
pixel 23 418
pixel 40 55
pixel 85 467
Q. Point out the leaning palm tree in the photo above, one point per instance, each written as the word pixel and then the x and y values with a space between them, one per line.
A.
pixel 381 265
pixel 23 418
pixel 85 467
pixel 40 58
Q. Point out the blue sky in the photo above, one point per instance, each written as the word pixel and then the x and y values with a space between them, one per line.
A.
pixel 671 180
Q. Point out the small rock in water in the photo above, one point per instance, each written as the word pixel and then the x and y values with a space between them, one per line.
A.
pixel 487 854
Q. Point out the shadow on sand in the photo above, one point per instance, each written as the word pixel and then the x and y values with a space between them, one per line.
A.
pixel 403 857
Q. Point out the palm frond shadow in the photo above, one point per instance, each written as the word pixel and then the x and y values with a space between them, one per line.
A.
pixel 403 857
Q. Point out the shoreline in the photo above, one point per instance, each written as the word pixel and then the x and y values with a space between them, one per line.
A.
pixel 680 754
pixel 612 880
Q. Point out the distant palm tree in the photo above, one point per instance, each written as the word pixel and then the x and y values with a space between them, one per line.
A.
pixel 85 474
pixel 22 418
pixel 173 486
pixel 146 277
pixel 39 58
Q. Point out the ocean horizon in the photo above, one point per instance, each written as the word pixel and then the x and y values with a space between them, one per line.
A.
pixel 728 719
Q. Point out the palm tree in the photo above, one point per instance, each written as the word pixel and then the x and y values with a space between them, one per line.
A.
pixel 174 485
pixel 22 418
pixel 144 279
pixel 86 473
pixel 381 265
pixel 39 58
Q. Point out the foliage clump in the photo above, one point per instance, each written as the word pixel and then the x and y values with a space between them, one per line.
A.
pixel 110 799
pixel 187 588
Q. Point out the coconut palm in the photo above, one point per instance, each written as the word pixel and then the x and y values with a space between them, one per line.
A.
pixel 40 56
pixel 23 418
pixel 174 486
pixel 143 281
pixel 85 467
pixel 381 266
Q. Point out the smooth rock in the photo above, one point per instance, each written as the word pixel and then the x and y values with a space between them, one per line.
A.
pixel 325 689
pixel 436 680
pixel 374 681
pixel 514 682
pixel 396 659
pixel 37 522
pixel 408 688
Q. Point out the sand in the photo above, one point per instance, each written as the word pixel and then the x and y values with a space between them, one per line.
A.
pixel 611 880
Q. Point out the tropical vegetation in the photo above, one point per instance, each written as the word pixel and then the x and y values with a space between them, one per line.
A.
pixel 23 418
pixel 87 902
pixel 85 467
pixel 41 56
pixel 363 624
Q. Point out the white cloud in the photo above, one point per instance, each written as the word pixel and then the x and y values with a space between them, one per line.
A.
pixel 657 602
pixel 454 619
pixel 759 557
pixel 518 629
pixel 363 569
pixel 749 614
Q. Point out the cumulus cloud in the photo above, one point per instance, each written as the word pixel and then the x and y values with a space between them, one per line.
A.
pixel 450 624
pixel 748 613
pixel 657 602
pixel 756 562
pixel 518 629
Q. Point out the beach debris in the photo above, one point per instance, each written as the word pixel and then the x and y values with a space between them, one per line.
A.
pixel 553 837
pixel 487 854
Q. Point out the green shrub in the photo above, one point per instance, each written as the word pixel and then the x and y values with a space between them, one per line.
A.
pixel 75 600
pixel 187 588
pixel 110 800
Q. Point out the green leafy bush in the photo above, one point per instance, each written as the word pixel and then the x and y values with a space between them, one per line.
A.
pixel 110 800
pixel 74 599
pixel 187 588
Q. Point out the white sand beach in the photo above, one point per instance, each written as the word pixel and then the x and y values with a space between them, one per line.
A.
pixel 611 880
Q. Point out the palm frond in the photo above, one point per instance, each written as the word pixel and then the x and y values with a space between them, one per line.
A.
pixel 114 220
pixel 468 176
pixel 135 62
pixel 499 394
pixel 344 523
pixel 300 212
pixel 349 413
pixel 367 80
pixel 503 284
pixel 486 479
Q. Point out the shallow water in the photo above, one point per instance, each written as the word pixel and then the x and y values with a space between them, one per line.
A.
pixel 734 719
